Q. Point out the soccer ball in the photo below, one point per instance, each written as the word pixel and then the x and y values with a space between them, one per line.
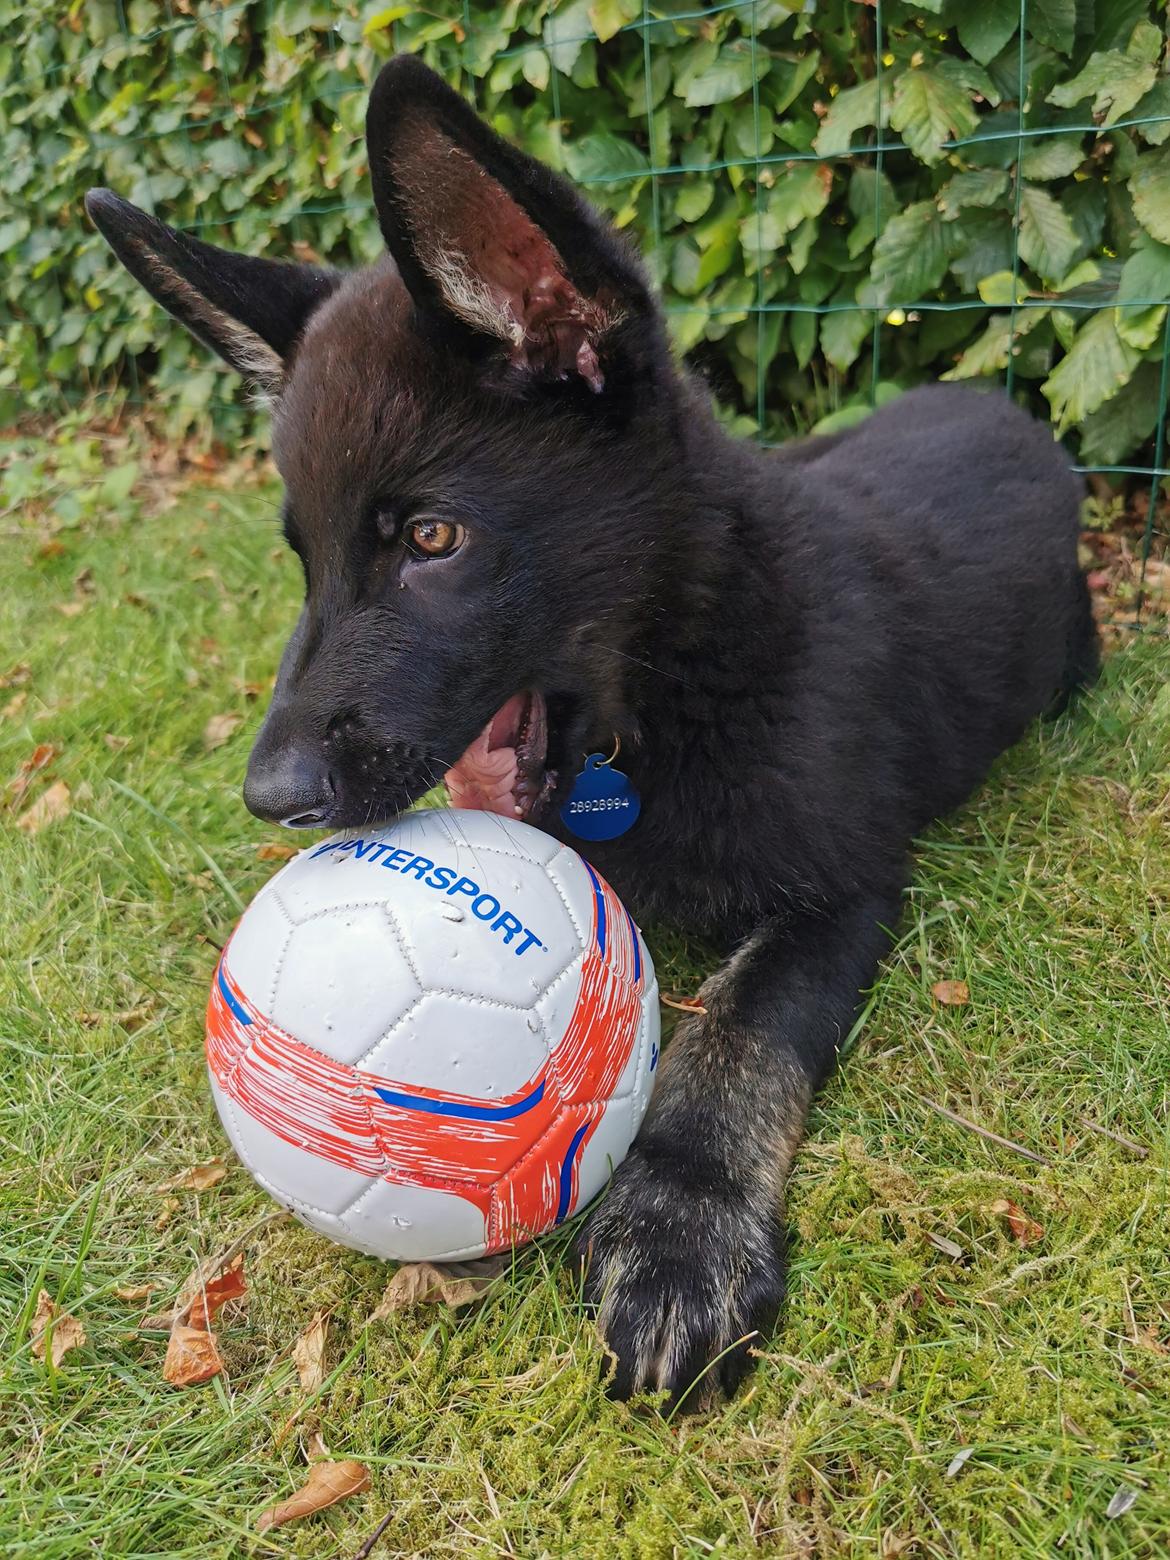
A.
pixel 435 1039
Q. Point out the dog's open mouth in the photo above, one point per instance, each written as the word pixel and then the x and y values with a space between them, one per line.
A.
pixel 504 770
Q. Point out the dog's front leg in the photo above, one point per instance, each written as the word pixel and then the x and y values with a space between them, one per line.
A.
pixel 685 1254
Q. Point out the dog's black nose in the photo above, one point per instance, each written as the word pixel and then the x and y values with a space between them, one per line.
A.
pixel 289 785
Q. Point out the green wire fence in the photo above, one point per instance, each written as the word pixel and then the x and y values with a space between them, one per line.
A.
pixel 479 47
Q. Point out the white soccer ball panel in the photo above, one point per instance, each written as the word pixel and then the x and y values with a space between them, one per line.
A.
pixel 459 941
pixel 466 832
pixel 607 1146
pixel 256 951
pixel 571 877
pixel 292 1174
pixel 227 1115
pixel 456 1045
pixel 641 1083
pixel 344 982
pixel 412 1224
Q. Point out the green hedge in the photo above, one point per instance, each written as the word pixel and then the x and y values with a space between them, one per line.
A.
pixel 845 204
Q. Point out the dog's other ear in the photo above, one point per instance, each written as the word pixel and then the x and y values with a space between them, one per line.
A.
pixel 250 311
pixel 489 239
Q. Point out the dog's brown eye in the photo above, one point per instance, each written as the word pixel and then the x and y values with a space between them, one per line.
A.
pixel 433 538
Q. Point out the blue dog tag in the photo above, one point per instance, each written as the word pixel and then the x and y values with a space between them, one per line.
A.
pixel 602 803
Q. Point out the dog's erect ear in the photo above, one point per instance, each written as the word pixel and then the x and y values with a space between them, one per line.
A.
pixel 485 236
pixel 250 311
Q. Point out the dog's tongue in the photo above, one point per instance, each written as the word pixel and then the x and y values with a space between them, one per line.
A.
pixel 495 773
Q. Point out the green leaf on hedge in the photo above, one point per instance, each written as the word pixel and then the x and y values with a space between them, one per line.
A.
pixel 566 33
pixel 802 332
pixel 1048 240
pixel 728 76
pixel 384 18
pixel 1053 22
pixel 990 353
pixel 610 16
pixel 801 191
pixel 1150 190
pixel 1115 82
pixel 603 158
pixel 844 332
pixel 694 200
pixel 985 28
pixel 1125 421
pixel 1094 369
pixel 976 187
pixel 1155 107
pixel 1052 157
pixel 1145 286
pixel 910 258
pixel 850 111
pixel 1002 287
pixel 987 354
pixel 929 108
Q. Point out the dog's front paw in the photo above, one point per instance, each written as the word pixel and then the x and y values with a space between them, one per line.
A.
pixel 683 1275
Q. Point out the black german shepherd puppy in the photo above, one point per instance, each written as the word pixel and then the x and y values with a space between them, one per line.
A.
pixel 524 536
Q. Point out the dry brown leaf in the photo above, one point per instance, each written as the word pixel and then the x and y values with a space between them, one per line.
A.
pixel 166 1213
pixel 230 1285
pixel 199 1178
pixel 15 704
pixel 328 1482
pixel 50 807
pixel 131 1292
pixel 273 852
pixel 1025 1230
pixel 67 1331
pixel 40 758
pixel 192 1356
pixel 114 742
pixel 427 1283
pixel 219 728
pixel 70 609
pixel 951 993
pixel 309 1353
pixel 16 676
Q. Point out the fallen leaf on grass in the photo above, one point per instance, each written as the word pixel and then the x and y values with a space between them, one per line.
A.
pixel 328 1482
pixel 682 1004
pixel 129 1019
pixel 192 1356
pixel 50 807
pixel 274 852
pixel 16 676
pixel 166 1213
pixel 15 704
pixel 956 1463
pixel 212 1296
pixel 67 1332
pixel 199 1178
pixel 131 1292
pixel 40 758
pixel 1025 1230
pixel 951 993
pixel 70 609
pixel 114 742
pixel 219 728
pixel 425 1283
pixel 192 1353
pixel 949 1248
pixel 309 1353
pixel 1123 1499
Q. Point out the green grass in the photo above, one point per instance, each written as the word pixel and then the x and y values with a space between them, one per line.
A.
pixel 487 1432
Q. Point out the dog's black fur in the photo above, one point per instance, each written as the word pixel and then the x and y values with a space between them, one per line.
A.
pixel 807 655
